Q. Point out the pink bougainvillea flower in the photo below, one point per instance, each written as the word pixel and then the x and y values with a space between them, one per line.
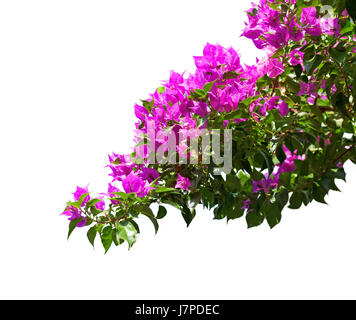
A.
pixel 79 192
pixel 149 174
pixel 274 68
pixel 135 184
pixel 252 33
pixel 288 164
pixel 296 57
pixel 132 183
pixel 283 108
pixel 330 26
pixel 145 190
pixel 111 190
pixel 295 31
pixel 141 112
pixel 121 166
pixel 100 205
pixel 269 104
pixel 278 38
pixel 246 204
pixel 183 183
pixel 74 213
pixel 267 184
pixel 310 22
pixel 308 16
pixel 310 89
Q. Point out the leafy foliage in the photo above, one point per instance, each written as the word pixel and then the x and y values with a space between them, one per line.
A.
pixel 292 118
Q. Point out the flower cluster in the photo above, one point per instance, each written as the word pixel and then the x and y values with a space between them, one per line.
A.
pixel 269 29
pixel 288 114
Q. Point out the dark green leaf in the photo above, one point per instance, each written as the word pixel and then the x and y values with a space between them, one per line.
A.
pixel 310 66
pixel 188 214
pixel 296 200
pixel 282 198
pixel 319 193
pixel 145 210
pixel 233 183
pixel 254 219
pixel 230 75
pixel 340 103
pixel 162 211
pixel 91 234
pixel 273 214
pixel 339 56
pixel 284 179
pixel 208 86
pixel 208 198
pixel 351 9
pixel 106 238
pixel 72 225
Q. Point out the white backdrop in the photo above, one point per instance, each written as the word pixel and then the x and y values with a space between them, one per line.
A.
pixel 70 73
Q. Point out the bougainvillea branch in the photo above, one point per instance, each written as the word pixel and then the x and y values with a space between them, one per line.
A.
pixel 243 141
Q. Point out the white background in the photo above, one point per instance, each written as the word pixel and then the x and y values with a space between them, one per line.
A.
pixel 70 73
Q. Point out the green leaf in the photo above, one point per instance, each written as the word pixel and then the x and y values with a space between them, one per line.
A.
pixel 348 27
pixel 208 86
pixel 339 56
pixel 106 238
pixel 162 211
pixel 310 66
pixel 268 161
pixel 298 70
pixel 164 190
pixel 91 234
pixel 309 53
pixel 235 212
pixel 307 3
pixel 72 225
pixel 273 214
pixel 325 182
pixel 124 231
pixel 340 103
pixel 230 75
pixel 93 202
pixel 337 174
pixel 319 193
pixel 122 195
pixel 284 179
pixel 208 198
pixel 146 211
pixel 135 225
pixel 148 105
pixel 292 86
pixel 160 90
pixel 74 204
pixel 325 69
pixel 296 200
pixel 115 239
pixel 233 183
pixel 340 6
pixel 82 198
pixel 200 93
pixel 351 9
pixel 262 82
pixel 254 218
pixel 281 156
pixel 188 214
pixel 257 176
pixel 282 198
pixel 233 115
